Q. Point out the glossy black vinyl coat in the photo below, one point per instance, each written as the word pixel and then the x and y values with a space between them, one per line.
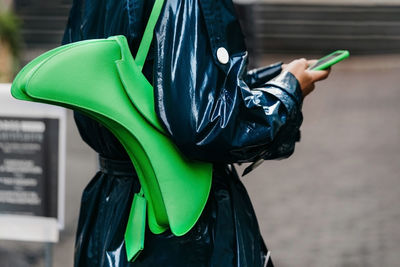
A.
pixel 208 108
pixel 214 112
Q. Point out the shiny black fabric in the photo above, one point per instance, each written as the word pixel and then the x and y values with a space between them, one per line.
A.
pixel 209 110
pixel 213 111
pixel 225 235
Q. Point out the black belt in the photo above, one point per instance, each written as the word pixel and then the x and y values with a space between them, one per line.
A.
pixel 117 167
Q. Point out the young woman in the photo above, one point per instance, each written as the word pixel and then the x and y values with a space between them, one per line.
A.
pixel 213 109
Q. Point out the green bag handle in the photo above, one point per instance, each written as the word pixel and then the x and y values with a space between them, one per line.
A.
pixel 148 34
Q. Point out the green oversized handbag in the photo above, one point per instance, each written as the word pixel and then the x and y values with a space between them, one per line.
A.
pixel 101 79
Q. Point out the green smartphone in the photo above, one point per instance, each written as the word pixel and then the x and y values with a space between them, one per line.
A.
pixel 329 60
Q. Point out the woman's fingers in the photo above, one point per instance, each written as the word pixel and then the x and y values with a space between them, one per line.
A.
pixel 319 75
pixel 311 62
pixel 305 76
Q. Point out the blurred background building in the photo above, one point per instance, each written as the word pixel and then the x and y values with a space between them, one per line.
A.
pixel 270 26
pixel 335 201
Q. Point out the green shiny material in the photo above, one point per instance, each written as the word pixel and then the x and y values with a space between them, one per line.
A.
pixel 329 60
pixel 136 227
pixel 101 79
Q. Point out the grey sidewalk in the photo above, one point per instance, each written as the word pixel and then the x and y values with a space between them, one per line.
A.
pixel 335 202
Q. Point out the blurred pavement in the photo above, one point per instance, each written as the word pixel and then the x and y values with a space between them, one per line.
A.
pixel 335 202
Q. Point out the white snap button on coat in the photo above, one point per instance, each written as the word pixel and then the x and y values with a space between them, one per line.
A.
pixel 222 55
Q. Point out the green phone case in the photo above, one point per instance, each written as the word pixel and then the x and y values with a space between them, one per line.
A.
pixel 343 55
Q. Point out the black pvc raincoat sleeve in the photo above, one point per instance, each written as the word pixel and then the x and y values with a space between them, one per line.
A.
pixel 218 112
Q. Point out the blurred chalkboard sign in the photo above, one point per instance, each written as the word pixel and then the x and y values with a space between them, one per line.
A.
pixel 32 169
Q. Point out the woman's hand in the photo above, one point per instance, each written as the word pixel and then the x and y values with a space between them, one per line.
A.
pixel 306 77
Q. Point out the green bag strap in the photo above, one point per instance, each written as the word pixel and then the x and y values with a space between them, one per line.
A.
pixel 136 225
pixel 148 34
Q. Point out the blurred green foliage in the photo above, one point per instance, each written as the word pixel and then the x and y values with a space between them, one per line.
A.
pixel 10 30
